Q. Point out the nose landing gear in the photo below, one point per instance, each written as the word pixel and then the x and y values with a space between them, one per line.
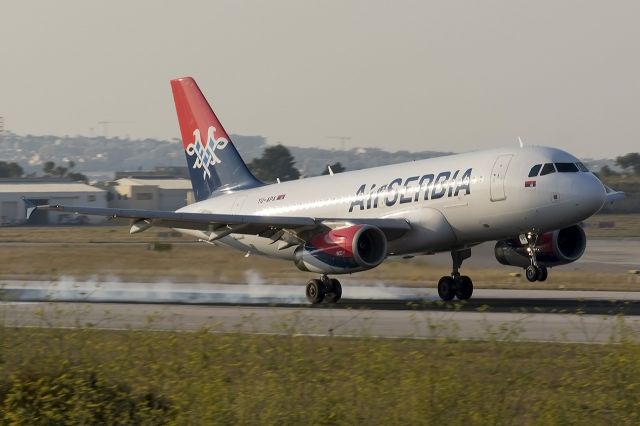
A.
pixel 535 271
pixel 325 288
pixel 456 285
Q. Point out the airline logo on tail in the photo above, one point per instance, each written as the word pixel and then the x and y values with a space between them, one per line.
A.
pixel 206 153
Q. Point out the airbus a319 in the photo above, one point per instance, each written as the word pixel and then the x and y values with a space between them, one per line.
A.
pixel 530 200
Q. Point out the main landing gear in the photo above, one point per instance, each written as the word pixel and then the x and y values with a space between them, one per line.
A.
pixel 535 271
pixel 456 285
pixel 327 289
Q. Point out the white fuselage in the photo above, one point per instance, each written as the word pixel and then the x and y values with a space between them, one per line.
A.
pixel 450 202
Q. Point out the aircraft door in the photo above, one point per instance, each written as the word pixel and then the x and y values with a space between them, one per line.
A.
pixel 498 174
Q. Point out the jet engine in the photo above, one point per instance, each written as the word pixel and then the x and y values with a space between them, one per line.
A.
pixel 554 248
pixel 343 250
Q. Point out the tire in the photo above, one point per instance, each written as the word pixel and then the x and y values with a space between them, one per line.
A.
pixel 542 273
pixel 315 292
pixel 446 288
pixel 532 273
pixel 465 288
pixel 335 293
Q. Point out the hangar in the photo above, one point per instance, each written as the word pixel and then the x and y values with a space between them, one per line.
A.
pixel 46 191
pixel 167 194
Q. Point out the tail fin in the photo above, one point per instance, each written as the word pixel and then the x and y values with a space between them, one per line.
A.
pixel 214 163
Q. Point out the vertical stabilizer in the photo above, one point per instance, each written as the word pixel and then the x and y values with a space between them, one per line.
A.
pixel 214 163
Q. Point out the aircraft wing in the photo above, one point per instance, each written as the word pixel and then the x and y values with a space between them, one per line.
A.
pixel 293 230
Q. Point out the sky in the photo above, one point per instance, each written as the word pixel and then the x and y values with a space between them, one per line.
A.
pixel 417 75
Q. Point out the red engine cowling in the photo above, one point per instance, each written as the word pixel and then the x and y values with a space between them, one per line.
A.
pixel 554 248
pixel 344 250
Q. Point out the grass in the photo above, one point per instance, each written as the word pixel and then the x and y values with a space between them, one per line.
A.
pixel 88 376
pixel 54 376
pixel 613 225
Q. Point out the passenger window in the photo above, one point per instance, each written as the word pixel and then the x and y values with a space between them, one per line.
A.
pixel 534 170
pixel 547 169
pixel 567 168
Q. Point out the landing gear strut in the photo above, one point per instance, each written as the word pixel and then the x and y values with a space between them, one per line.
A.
pixel 535 271
pixel 456 285
pixel 325 288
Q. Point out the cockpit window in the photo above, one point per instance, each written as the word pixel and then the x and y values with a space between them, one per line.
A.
pixel 534 170
pixel 567 168
pixel 582 167
pixel 547 169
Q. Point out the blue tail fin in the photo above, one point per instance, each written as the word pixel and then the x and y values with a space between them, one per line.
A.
pixel 214 163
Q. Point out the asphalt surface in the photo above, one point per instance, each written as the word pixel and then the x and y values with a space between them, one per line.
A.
pixel 390 312
pixel 354 297
pixel 325 322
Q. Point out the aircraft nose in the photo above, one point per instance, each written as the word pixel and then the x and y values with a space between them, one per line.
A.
pixel 589 194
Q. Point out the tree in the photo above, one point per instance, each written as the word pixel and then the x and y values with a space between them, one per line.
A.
pixel 10 170
pixel 606 171
pixel 79 177
pixel 50 169
pixel 276 163
pixel 335 167
pixel 630 161
pixel 60 171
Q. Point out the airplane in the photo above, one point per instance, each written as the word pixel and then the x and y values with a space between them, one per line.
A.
pixel 529 199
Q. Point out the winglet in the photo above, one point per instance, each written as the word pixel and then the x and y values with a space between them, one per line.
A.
pixel 613 195
pixel 30 207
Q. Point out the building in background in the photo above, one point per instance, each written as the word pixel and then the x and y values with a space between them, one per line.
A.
pixel 160 172
pixel 149 193
pixel 47 191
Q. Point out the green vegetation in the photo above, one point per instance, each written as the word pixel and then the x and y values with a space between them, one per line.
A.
pixel 630 162
pixel 10 170
pixel 50 169
pixel 276 163
pixel 84 376
pixel 335 168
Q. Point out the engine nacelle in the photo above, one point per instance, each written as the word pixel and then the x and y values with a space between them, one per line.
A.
pixel 555 248
pixel 344 250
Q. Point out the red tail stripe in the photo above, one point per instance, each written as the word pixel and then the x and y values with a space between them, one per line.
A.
pixel 194 111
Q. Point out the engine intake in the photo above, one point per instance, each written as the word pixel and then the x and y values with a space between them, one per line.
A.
pixel 554 248
pixel 343 250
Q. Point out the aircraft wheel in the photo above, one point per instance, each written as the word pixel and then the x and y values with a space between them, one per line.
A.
pixel 315 291
pixel 542 273
pixel 335 293
pixel 446 288
pixel 465 288
pixel 532 273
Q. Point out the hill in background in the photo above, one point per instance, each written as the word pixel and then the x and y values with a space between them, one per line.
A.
pixel 100 155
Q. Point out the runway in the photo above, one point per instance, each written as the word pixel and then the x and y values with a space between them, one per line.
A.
pixel 601 255
pixel 326 322
pixel 388 312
